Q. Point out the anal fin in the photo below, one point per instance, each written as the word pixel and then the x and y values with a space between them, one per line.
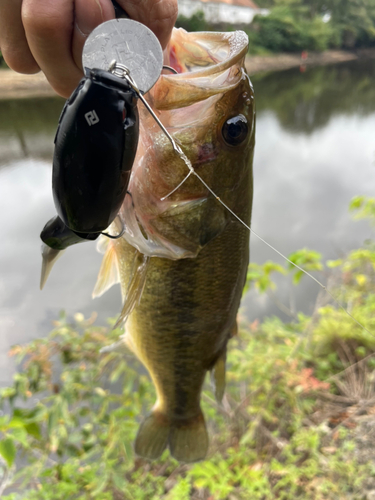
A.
pixel 108 274
pixel 218 376
pixel 218 371
pixel 134 291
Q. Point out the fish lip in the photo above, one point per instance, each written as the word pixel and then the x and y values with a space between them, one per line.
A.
pixel 221 70
pixel 238 42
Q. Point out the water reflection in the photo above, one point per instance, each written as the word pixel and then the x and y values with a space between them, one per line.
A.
pixel 315 150
pixel 27 128
pixel 305 102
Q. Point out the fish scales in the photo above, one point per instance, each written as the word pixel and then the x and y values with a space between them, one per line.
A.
pixel 182 261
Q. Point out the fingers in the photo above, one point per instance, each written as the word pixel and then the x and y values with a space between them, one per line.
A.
pixel 50 34
pixel 56 31
pixel 158 15
pixel 88 15
pixel 48 26
pixel 13 43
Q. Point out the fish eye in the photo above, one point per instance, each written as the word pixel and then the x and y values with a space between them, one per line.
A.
pixel 235 130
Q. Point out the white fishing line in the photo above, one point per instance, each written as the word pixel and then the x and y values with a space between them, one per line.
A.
pixel 123 72
pixel 337 302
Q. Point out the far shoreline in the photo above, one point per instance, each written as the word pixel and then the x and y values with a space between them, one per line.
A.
pixel 279 62
pixel 14 85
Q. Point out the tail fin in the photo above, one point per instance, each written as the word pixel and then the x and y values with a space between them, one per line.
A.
pixel 187 440
pixel 152 437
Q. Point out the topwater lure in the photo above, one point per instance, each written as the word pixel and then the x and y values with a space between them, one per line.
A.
pixel 95 146
pixel 97 135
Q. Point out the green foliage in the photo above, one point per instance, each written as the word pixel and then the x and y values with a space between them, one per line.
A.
pixel 73 410
pixel 305 103
pixel 309 260
pixel 260 275
pixel 8 450
pixel 296 25
pixel 196 22
pixel 283 30
pixel 365 207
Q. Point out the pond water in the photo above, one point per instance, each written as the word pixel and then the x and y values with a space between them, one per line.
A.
pixel 315 150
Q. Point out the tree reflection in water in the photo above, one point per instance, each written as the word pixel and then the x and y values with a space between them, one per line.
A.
pixel 305 102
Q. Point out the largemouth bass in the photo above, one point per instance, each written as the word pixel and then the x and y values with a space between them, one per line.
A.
pixel 182 261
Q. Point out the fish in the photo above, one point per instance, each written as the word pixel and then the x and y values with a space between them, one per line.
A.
pixel 182 259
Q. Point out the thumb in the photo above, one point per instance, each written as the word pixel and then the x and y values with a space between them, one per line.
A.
pixel 158 15
pixel 88 15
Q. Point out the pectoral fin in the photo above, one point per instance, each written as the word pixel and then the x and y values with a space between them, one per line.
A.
pixel 191 224
pixel 133 293
pixel 108 274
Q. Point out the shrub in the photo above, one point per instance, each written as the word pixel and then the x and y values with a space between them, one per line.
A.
pixel 73 410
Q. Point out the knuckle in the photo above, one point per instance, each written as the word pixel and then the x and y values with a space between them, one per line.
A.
pixel 174 10
pixel 21 62
pixel 167 11
pixel 43 24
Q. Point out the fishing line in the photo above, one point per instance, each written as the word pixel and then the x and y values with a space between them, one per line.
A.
pixel 282 255
pixel 122 71
pixel 192 171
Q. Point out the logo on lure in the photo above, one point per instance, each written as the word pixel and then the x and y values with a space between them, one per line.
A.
pixel 92 118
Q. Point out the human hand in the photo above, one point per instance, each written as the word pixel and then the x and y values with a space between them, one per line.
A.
pixel 49 35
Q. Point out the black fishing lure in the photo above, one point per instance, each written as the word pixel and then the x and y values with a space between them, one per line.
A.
pixel 95 146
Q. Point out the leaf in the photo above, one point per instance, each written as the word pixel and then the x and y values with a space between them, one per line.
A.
pixel 33 429
pixel 334 263
pixel 16 422
pixel 20 435
pixel 8 450
pixel 356 202
pixel 308 260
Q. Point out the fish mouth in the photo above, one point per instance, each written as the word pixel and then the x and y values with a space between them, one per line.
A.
pixel 208 63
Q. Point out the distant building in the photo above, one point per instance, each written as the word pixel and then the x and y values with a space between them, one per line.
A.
pixel 222 11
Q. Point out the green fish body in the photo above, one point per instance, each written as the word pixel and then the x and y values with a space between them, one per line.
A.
pixel 182 262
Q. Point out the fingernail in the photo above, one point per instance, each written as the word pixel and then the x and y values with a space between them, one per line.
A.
pixel 90 13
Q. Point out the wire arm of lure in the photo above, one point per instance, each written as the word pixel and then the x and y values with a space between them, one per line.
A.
pixel 122 71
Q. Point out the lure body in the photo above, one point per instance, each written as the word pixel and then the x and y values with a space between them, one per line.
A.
pixel 95 146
